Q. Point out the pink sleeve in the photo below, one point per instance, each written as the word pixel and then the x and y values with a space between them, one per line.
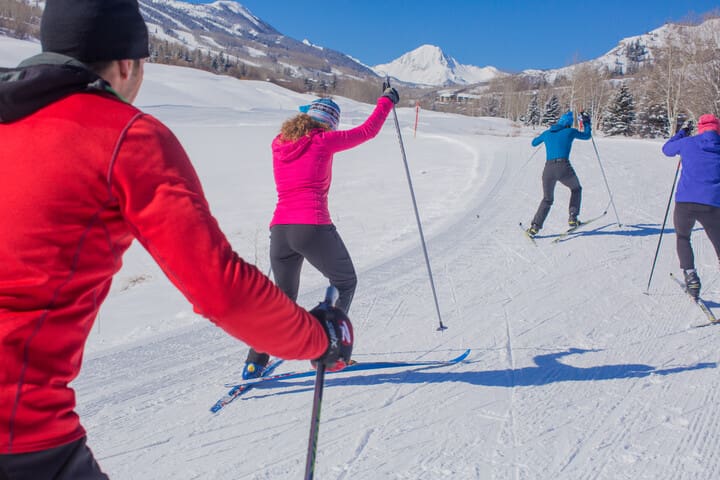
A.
pixel 345 139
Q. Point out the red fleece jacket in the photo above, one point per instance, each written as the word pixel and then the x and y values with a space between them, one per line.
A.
pixel 80 179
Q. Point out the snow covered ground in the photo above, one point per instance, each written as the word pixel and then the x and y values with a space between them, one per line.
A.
pixel 574 372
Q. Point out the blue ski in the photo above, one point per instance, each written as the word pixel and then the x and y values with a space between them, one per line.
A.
pixel 238 390
pixel 356 367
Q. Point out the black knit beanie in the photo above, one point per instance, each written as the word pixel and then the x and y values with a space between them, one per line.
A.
pixel 94 30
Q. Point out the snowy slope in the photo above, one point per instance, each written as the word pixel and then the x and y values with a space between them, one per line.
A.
pixel 428 65
pixel 622 58
pixel 574 372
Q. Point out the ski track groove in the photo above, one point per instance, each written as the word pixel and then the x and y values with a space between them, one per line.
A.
pixel 359 450
pixel 596 439
pixel 697 438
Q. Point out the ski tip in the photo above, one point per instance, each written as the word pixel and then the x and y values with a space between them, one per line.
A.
pixel 463 356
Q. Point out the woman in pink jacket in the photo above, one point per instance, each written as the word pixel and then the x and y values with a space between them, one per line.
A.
pixel 301 227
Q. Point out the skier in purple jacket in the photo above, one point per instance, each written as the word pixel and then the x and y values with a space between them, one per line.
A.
pixel 698 192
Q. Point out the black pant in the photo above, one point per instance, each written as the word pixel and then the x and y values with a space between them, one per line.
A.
pixel 73 461
pixel 320 245
pixel 563 172
pixel 684 217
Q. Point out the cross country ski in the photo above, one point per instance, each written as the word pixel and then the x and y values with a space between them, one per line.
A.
pixel 240 388
pixel 712 319
pixel 563 235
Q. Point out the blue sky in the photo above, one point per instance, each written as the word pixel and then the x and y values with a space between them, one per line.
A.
pixel 511 35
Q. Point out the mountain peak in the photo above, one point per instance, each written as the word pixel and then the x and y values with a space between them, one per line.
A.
pixel 429 65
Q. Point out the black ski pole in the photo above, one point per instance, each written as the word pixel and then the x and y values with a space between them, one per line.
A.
pixel 331 296
pixel 662 230
pixel 417 215
pixel 607 185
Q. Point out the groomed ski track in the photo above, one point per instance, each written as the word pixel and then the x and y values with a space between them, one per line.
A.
pixel 574 373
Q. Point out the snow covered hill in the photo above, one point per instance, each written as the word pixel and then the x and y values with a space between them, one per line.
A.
pixel 574 372
pixel 632 52
pixel 228 27
pixel 428 65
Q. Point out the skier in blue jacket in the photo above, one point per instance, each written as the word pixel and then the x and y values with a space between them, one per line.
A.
pixel 698 191
pixel 558 142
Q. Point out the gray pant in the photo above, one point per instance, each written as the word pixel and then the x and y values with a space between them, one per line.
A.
pixel 558 171
pixel 320 245
pixel 684 217
pixel 72 461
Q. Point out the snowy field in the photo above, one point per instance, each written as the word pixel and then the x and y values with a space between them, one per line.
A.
pixel 574 372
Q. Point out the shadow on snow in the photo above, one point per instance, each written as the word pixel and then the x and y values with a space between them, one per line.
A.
pixel 637 230
pixel 548 369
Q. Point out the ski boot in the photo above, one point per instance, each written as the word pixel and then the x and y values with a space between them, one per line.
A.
pixel 254 364
pixel 532 231
pixel 573 221
pixel 692 283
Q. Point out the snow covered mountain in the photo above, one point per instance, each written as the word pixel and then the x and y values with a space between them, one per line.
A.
pixel 632 52
pixel 228 27
pixel 429 65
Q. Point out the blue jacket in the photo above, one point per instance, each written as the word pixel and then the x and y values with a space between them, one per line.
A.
pixel 558 140
pixel 700 157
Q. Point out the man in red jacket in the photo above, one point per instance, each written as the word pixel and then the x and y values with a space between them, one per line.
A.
pixel 83 174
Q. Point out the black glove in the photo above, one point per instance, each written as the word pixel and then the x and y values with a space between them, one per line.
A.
pixel 687 127
pixel 585 118
pixel 392 94
pixel 340 336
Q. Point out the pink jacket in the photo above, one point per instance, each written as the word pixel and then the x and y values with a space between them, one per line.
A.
pixel 303 168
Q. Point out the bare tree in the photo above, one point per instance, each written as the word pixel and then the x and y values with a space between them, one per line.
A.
pixel 20 18
pixel 591 89
pixel 703 86
pixel 666 80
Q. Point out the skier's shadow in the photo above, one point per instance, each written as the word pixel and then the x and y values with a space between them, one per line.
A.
pixel 637 230
pixel 548 369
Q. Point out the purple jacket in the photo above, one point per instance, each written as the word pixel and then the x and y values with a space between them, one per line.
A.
pixel 700 157
pixel 303 168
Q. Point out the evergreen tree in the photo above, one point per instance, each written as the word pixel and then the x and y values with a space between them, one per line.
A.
pixel 651 120
pixel 620 113
pixel 636 54
pixel 532 116
pixel 552 111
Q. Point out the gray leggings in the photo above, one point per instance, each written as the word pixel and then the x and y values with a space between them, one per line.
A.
pixel 558 171
pixel 320 245
pixel 72 461
pixel 684 217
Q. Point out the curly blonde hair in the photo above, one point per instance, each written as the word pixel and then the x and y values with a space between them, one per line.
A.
pixel 299 126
